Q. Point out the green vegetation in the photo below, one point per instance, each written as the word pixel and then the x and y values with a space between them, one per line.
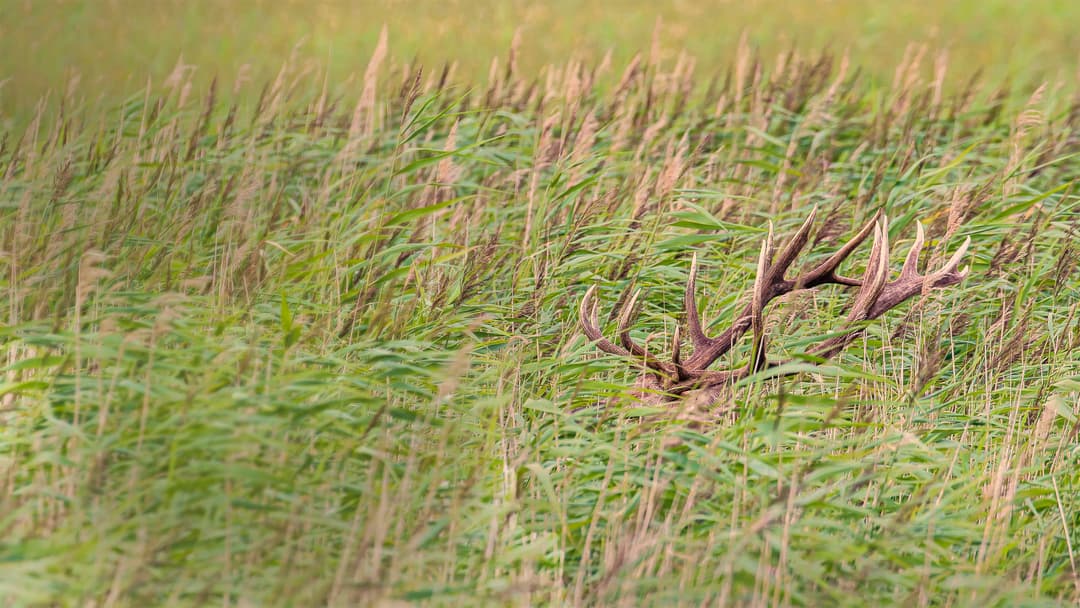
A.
pixel 283 345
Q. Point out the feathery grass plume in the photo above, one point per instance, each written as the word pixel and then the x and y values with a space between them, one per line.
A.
pixel 363 122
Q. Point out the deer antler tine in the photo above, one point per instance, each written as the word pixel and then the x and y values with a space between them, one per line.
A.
pixel 759 278
pixel 771 242
pixel 624 326
pixel 628 343
pixel 587 315
pixel 676 354
pixel 693 320
pixel 591 326
pixel 584 314
pixel 949 274
pixel 876 275
pixel 757 307
pixel 826 271
pixel 628 310
pixel 954 261
pixel 793 247
pixel 911 262
pixel 882 276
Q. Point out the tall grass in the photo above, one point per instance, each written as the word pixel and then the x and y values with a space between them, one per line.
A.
pixel 261 347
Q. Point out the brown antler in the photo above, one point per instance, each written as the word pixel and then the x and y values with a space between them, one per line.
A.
pixel 876 295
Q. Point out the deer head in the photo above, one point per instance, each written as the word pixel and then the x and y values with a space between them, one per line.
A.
pixel 690 378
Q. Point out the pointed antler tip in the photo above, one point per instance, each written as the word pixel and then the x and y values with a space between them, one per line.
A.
pixel 954 261
pixel 628 309
pixel 807 223
pixel 589 293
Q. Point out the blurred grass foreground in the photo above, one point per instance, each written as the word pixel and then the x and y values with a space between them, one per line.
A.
pixel 296 325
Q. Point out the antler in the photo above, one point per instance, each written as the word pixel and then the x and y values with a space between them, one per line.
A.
pixel 768 285
pixel 878 295
pixel 875 296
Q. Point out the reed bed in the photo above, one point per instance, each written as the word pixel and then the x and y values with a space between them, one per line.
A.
pixel 271 345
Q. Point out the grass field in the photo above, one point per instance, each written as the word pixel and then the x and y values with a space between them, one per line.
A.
pixel 296 342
